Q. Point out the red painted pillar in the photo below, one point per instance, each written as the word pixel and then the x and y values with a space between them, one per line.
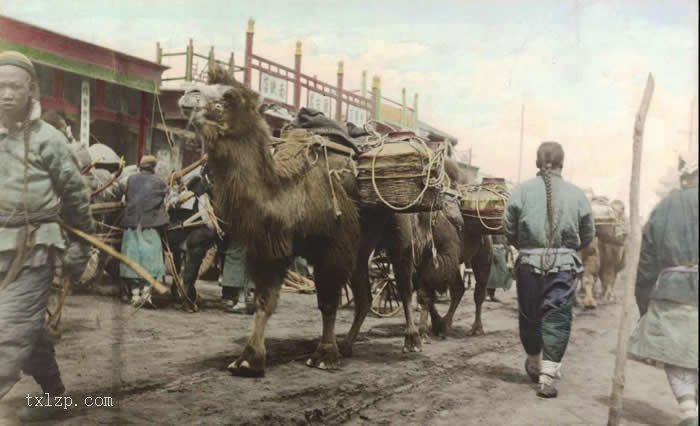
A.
pixel 297 76
pixel 99 94
pixel 248 60
pixel 57 84
pixel 339 97
pixel 142 129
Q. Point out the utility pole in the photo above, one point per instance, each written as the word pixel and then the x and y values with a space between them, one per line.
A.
pixel 691 142
pixel 522 124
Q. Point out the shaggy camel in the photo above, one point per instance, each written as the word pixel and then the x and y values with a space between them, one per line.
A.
pixel 396 234
pixel 277 208
pixel 604 258
pixel 438 270
pixel 407 239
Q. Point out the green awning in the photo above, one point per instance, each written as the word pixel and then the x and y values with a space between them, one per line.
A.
pixel 82 68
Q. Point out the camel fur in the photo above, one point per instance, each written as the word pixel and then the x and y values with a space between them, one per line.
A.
pixel 604 259
pixel 438 270
pixel 276 207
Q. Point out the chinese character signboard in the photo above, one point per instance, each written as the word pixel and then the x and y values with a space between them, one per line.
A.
pixel 273 88
pixel 320 102
pixel 357 116
pixel 85 113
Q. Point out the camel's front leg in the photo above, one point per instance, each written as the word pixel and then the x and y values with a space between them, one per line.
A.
pixel 372 225
pixel 426 300
pixel 481 264
pixel 607 273
pixel 456 292
pixel 588 298
pixel 328 287
pixel 402 262
pixel 251 363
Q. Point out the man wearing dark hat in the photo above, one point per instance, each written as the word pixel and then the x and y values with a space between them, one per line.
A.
pixel 145 214
pixel 41 187
pixel 548 220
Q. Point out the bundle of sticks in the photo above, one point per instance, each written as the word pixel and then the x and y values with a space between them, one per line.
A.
pixel 295 282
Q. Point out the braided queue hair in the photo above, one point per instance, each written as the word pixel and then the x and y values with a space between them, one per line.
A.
pixel 550 156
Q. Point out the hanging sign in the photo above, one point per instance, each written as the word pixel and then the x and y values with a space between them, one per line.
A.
pixel 320 102
pixel 357 116
pixel 273 88
pixel 85 113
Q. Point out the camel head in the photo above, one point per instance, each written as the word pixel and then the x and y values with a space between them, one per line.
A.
pixel 223 107
pixel 619 208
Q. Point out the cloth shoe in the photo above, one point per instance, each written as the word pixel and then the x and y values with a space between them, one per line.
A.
pixel 135 299
pixel 532 366
pixel 549 374
pixel 689 411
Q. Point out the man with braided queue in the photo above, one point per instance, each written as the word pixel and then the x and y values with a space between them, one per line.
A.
pixel 42 186
pixel 548 220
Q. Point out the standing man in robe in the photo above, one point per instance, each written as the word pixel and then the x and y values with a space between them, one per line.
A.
pixel 144 217
pixel 42 186
pixel 667 290
pixel 547 220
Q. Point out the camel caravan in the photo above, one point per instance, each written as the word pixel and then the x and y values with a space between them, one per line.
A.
pixel 338 196
pixel 335 195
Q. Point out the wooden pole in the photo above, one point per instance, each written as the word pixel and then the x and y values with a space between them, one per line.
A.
pixel 633 247
pixel 691 140
pixel 248 58
pixel 522 125
pixel 297 76
pixel 339 95
pixel 157 285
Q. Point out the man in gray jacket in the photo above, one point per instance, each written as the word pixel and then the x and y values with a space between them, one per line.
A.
pixel 667 290
pixel 548 220
pixel 41 187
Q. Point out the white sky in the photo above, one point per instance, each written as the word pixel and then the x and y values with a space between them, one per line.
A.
pixel 578 67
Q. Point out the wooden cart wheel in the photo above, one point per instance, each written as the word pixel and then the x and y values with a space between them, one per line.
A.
pixel 346 297
pixel 385 295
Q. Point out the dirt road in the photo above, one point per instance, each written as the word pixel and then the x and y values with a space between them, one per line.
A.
pixel 173 370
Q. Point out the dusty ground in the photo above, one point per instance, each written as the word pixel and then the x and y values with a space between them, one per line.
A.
pixel 173 370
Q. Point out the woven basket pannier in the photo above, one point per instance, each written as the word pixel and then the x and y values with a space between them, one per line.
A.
pixel 401 174
pixel 483 205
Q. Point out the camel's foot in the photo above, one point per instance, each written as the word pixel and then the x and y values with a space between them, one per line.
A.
pixel 326 357
pixel 439 327
pixel 610 297
pixel 448 322
pixel 423 333
pixel 589 303
pixel 249 364
pixel 477 329
pixel 412 342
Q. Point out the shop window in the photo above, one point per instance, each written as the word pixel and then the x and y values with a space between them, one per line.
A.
pixel 72 88
pixel 113 97
pixel 46 79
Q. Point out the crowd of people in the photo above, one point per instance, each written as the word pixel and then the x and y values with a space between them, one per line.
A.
pixel 547 220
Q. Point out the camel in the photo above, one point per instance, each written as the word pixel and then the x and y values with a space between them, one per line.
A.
pixel 407 239
pixel 604 258
pixel 276 208
pixel 439 270
pixel 396 234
